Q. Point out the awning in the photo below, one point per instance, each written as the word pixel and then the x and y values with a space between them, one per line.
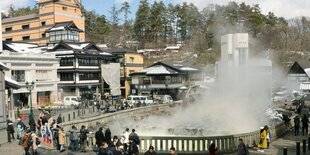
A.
pixel 10 83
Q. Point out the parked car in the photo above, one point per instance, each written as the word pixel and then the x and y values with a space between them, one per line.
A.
pixel 164 99
pixel 135 99
pixel 72 100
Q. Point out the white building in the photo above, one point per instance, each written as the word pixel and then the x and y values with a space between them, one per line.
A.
pixel 28 67
pixel 235 48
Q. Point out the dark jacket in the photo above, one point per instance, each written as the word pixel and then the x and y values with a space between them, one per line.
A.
pixel 59 120
pixel 83 134
pixel 133 149
pixel 10 127
pixel 305 121
pixel 105 151
pixel 107 136
pixel 149 153
pixel 242 149
pixel 99 137
pixel 134 136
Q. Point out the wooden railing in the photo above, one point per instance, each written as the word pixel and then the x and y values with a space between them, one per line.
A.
pixel 225 143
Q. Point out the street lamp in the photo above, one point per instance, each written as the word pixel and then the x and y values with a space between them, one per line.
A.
pixel 32 124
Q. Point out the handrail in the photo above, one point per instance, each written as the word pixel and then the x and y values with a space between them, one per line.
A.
pixel 225 143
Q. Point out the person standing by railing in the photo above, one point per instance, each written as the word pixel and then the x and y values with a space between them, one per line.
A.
pixel 62 136
pixel 83 138
pixel 305 124
pixel 99 136
pixel 242 149
pixel 73 139
pixel 151 151
pixel 125 138
pixel 212 149
pixel 172 151
pixel 296 125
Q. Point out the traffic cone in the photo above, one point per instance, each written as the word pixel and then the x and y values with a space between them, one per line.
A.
pixel 24 117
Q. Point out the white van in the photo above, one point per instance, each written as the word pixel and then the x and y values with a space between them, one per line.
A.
pixel 134 99
pixel 164 99
pixel 71 100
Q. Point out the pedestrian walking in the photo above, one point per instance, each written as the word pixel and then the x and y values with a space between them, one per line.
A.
pixel 262 139
pixel 305 124
pixel 20 128
pixel 10 130
pixel 268 136
pixel 296 125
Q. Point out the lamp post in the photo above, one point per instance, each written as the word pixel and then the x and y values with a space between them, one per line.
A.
pixel 32 124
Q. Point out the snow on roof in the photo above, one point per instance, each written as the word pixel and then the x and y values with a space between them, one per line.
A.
pixel 172 48
pixel 189 69
pixel 61 52
pixel 104 53
pixel 155 70
pixel 11 81
pixel 2 65
pixel 25 48
pixel 57 28
pixel 78 46
pixel 307 70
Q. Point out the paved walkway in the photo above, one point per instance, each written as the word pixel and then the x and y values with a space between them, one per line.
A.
pixel 288 140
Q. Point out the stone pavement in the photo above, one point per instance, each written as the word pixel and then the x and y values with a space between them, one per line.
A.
pixel 288 140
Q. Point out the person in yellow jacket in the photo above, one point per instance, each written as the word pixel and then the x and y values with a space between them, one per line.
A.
pixel 61 134
pixel 263 139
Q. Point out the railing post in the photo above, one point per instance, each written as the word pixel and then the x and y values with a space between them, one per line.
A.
pixel 284 151
pixel 297 148
pixel 304 145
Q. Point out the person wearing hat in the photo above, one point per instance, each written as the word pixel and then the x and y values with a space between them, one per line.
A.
pixel 263 139
pixel 151 151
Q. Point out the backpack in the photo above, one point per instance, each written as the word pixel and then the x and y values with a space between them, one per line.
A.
pixel 38 141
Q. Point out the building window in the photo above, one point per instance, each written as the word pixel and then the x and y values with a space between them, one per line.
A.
pixel 66 62
pixel 8 39
pixel 26 37
pixel 43 23
pixel 89 76
pixel 8 29
pixel 66 77
pixel 25 26
pixel 131 60
pixel 88 62
pixel 42 75
pixel 64 8
pixel 18 75
pixel 43 35
pixel 64 35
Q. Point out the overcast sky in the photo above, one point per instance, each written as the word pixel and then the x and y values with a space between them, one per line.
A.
pixel 284 8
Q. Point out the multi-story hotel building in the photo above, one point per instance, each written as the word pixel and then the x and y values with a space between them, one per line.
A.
pixel 32 28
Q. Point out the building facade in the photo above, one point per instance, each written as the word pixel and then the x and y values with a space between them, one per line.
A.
pixel 32 28
pixel 28 67
pixel 296 76
pixel 130 61
pixel 165 79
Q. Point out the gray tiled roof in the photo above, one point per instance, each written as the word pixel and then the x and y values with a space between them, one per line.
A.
pixel 13 19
